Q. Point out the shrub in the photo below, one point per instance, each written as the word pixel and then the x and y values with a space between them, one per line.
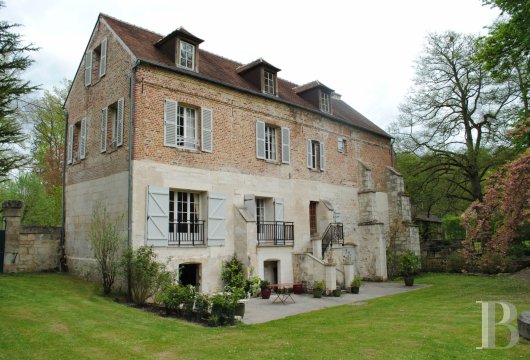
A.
pixel 147 275
pixel 188 300
pixel 455 262
pixel 232 273
pixel 106 241
pixel 409 264
pixel 203 305
pixel 223 309
pixel 171 297
pixel 319 285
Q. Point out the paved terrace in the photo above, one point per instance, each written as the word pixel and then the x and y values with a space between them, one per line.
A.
pixel 258 310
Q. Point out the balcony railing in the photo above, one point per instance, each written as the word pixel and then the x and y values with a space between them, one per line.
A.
pixel 186 233
pixel 275 233
pixel 334 234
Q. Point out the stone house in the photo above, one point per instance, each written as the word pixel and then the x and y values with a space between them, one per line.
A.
pixel 207 157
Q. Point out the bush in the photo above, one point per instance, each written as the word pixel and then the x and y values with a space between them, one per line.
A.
pixel 106 240
pixel 203 307
pixel 232 273
pixel 494 264
pixel 455 262
pixel 171 297
pixel 223 309
pixel 409 264
pixel 147 275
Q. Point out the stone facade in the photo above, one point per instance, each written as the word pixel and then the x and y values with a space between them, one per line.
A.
pixel 132 178
pixel 28 248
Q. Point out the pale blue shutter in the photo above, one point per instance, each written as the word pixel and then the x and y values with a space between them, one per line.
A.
pixel 260 139
pixel 170 123
pixel 70 143
pixel 216 219
pixel 82 139
pixel 206 130
pixel 157 225
pixel 103 58
pixel 119 123
pixel 286 145
pixel 322 156
pixel 309 154
pixel 104 116
pixel 88 68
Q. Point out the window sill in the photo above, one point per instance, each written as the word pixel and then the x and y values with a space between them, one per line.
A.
pixel 316 170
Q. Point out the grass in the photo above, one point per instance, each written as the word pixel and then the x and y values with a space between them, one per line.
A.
pixel 56 316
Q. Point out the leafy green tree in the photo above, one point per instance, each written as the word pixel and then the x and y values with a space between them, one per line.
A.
pixel 39 208
pixel 454 112
pixel 506 49
pixel 13 61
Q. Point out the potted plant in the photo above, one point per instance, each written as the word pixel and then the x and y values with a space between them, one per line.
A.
pixel 265 289
pixel 355 284
pixel 337 292
pixel 409 265
pixel 318 288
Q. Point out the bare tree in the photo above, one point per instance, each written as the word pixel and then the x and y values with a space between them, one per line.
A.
pixel 455 112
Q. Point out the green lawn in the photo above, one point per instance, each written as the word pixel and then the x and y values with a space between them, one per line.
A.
pixel 54 316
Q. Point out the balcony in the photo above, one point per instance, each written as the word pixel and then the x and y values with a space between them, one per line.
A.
pixel 275 233
pixel 186 233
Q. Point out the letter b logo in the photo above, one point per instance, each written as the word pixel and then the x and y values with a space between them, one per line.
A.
pixel 488 323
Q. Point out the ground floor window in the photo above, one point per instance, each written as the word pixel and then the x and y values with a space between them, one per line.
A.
pixel 270 271
pixel 190 274
pixel 184 216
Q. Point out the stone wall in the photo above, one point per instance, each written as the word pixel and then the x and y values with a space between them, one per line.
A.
pixel 29 248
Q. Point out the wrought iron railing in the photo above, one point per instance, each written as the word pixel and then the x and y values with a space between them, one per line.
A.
pixel 334 234
pixel 275 233
pixel 186 233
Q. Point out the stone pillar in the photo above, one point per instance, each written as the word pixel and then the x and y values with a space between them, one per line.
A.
pixel 349 273
pixel 317 248
pixel 11 209
pixel 330 277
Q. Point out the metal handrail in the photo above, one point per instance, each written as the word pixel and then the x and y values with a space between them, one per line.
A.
pixel 186 233
pixel 334 234
pixel 275 233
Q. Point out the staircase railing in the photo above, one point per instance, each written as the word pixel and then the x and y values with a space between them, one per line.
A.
pixel 334 234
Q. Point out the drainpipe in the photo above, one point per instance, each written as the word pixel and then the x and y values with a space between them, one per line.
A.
pixel 129 180
pixel 62 262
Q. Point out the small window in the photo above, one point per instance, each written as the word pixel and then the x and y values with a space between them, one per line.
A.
pixel 341 145
pixel 112 126
pixel 270 143
pixel 313 217
pixel 187 55
pixel 315 155
pixel 269 85
pixel 324 102
pixel 96 63
pixel 187 127
pixel 77 138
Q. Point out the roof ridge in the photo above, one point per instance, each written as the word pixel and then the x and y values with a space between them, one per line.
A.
pixel 129 24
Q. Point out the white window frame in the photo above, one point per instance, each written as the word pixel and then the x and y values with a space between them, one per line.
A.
pixel 192 202
pixel 186 127
pixel 341 145
pixel 186 55
pixel 315 155
pixel 325 104
pixel 269 82
pixel 271 143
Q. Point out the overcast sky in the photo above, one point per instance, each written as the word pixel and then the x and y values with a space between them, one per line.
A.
pixel 364 50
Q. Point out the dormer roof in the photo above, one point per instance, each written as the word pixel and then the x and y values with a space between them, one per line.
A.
pixel 180 33
pixel 312 85
pixel 257 63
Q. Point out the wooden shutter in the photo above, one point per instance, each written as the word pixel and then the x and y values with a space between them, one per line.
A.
pixel 216 219
pixel 88 68
pixel 250 204
pixel 103 58
pixel 70 143
pixel 82 139
pixel 170 123
pixel 206 130
pixel 260 139
pixel 104 117
pixel 309 154
pixel 286 145
pixel 119 123
pixel 322 156
pixel 157 224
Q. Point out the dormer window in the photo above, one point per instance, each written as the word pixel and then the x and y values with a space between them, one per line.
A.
pixel 269 82
pixel 324 102
pixel 187 55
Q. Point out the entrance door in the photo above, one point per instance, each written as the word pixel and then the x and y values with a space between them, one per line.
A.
pixel 270 271
pixel 189 274
pixel 2 247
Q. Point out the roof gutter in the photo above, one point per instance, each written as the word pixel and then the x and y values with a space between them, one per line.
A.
pixel 200 76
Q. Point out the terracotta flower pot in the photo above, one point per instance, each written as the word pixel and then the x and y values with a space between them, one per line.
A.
pixel 266 293
pixel 354 290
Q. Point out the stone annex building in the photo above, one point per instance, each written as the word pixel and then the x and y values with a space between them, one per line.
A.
pixel 206 157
